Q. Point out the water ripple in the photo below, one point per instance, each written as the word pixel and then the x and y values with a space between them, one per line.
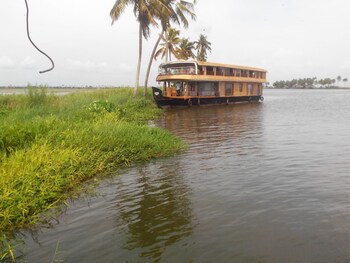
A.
pixel 266 182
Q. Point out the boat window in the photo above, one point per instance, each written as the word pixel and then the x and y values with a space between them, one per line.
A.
pixel 210 71
pixel 200 70
pixel 228 89
pixel 192 86
pixel 250 89
pixel 220 72
pixel 178 69
pixel 252 74
pixel 182 70
pixel 227 72
pixel 192 89
pixel 206 89
pixel 162 71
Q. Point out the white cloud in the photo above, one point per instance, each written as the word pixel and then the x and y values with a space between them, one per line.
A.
pixel 125 67
pixel 28 63
pixel 6 63
pixel 87 66
pixel 345 65
pixel 282 53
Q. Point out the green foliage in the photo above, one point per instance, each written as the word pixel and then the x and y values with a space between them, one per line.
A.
pixel 99 106
pixel 307 83
pixel 185 50
pixel 170 44
pixel 202 46
pixel 3 112
pixel 50 144
pixel 37 96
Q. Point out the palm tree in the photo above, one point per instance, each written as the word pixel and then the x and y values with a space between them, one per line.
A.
pixel 333 81
pixel 345 80
pixel 145 13
pixel 185 50
pixel 170 45
pixel 179 9
pixel 339 79
pixel 202 46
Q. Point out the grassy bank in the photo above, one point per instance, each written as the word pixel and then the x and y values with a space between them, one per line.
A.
pixel 50 144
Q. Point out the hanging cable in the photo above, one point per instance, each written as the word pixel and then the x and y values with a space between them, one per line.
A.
pixel 42 52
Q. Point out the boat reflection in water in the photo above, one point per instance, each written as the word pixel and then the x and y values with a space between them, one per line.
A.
pixel 143 215
pixel 155 209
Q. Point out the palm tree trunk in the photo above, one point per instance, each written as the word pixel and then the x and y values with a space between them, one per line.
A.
pixel 166 46
pixel 151 61
pixel 139 63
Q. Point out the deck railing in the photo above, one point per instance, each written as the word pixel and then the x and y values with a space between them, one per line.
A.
pixel 190 70
pixel 178 71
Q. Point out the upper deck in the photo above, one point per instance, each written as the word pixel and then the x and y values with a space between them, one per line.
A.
pixel 207 71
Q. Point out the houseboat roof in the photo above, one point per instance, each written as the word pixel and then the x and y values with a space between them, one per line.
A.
pixel 210 64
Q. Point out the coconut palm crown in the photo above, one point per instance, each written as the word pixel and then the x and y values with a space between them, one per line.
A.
pixel 202 46
pixel 170 45
pixel 145 12
pixel 185 49
pixel 180 10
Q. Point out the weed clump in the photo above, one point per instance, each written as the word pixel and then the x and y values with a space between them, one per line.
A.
pixel 50 144
pixel 37 96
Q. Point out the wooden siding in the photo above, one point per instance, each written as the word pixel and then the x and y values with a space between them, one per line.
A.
pixel 211 64
pixel 209 78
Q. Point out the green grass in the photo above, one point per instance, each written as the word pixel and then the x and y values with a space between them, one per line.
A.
pixel 50 144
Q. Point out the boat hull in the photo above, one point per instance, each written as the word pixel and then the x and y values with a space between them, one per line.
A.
pixel 163 102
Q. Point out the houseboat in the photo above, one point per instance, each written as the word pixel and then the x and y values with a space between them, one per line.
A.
pixel 187 83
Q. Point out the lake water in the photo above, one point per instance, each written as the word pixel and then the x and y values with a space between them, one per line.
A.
pixel 265 182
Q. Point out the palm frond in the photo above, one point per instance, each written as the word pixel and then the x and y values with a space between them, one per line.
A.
pixel 117 9
pixel 159 52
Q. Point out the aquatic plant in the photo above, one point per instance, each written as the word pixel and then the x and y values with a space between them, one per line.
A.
pixel 50 144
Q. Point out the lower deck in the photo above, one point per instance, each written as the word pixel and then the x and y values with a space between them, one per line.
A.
pixel 175 101
pixel 186 89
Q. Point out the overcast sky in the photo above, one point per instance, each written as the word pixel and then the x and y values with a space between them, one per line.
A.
pixel 289 38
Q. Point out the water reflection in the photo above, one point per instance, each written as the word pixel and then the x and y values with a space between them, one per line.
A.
pixel 262 182
pixel 218 131
pixel 148 213
pixel 141 215
pixel 218 123
pixel 156 209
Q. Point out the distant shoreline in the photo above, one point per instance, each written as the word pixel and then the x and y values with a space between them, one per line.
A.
pixel 324 88
pixel 58 87
pixel 53 90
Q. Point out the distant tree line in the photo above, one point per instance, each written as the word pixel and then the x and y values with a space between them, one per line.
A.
pixel 304 83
